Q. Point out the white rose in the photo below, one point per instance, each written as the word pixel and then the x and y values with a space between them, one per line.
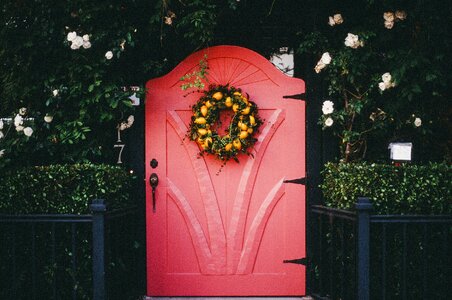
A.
pixel 123 126
pixel 389 16
pixel 327 107
pixel 338 19
pixel 400 14
pixel 28 131
pixel 331 21
pixel 71 36
pixel 389 24
pixel 1 124
pixel 2 152
pixel 109 55
pixel 48 118
pixel 130 120
pixel 382 86
pixel 329 122
pixel 417 122
pixel 320 65
pixel 326 58
pixel 386 77
pixel 86 44
pixel 55 92
pixel 19 128
pixel 78 41
pixel 1 135
pixel 23 111
pixel 74 46
pixel 18 120
pixel 352 41
pixel 85 38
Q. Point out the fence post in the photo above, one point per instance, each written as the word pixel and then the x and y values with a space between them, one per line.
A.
pixel 98 209
pixel 363 207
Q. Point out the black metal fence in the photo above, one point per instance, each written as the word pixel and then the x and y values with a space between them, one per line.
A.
pixel 358 255
pixel 95 256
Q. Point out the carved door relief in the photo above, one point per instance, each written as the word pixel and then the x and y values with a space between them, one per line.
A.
pixel 227 233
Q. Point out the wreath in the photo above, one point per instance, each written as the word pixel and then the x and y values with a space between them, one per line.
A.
pixel 240 132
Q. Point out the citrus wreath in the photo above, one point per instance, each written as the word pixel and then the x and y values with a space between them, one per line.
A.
pixel 245 122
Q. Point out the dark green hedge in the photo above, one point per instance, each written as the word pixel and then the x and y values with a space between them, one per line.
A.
pixel 63 188
pixel 406 189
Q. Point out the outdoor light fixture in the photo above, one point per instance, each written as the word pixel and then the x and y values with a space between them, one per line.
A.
pixel 284 60
pixel 400 151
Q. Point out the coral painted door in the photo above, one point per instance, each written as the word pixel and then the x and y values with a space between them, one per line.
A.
pixel 226 233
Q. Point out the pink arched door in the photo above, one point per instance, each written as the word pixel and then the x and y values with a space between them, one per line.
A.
pixel 227 233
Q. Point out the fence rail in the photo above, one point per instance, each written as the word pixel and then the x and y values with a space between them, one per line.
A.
pixel 358 255
pixel 62 256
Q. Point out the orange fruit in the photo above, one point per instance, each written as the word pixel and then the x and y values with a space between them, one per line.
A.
pixel 208 104
pixel 243 134
pixel 242 126
pixel 200 120
pixel 228 147
pixel 245 100
pixel 237 144
pixel 217 96
pixel 228 102
pixel 208 141
pixel 202 131
pixel 246 110
pixel 237 94
pixel 250 130
pixel 252 120
pixel 235 107
pixel 204 110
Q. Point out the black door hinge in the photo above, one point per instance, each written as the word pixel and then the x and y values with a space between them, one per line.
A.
pixel 301 97
pixel 298 261
pixel 302 180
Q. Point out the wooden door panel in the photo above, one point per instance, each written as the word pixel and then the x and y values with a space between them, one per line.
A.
pixel 225 230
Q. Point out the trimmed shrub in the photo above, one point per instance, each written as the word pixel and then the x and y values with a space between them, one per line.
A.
pixel 405 189
pixel 63 188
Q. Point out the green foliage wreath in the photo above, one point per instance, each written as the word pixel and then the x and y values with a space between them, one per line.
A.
pixel 240 131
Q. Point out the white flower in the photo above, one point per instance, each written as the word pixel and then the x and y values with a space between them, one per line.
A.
pixel 109 55
pixel 329 122
pixel 85 38
pixel 18 120
pixel 389 24
pixel 352 41
pixel 382 86
pixel 331 21
pixel 1 135
pixel 23 111
pixel 19 128
pixel 86 44
pixel 320 65
pixel 327 107
pixel 388 16
pixel 55 92
pixel 386 77
pixel 123 126
pixel 400 15
pixel 28 131
pixel 130 120
pixel 78 41
pixel 2 152
pixel 48 118
pixel 71 36
pixel 326 58
pixel 1 124
pixel 74 46
pixel 338 19
pixel 417 122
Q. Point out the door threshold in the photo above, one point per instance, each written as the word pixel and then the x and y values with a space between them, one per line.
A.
pixel 230 298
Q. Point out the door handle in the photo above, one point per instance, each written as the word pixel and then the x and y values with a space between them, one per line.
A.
pixel 154 182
